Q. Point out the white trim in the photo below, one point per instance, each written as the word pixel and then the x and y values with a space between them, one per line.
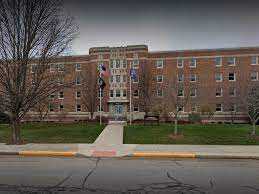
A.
pixel 256 76
pixel 234 77
pixel 180 67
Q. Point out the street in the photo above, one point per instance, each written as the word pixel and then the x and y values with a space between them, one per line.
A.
pixel 105 175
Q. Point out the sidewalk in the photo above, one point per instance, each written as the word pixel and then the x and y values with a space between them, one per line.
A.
pixel 110 144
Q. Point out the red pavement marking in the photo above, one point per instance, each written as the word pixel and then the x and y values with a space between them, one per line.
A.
pixel 104 153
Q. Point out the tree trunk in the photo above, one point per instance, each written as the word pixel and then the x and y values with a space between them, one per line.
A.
pixel 254 129
pixel 175 126
pixel 16 132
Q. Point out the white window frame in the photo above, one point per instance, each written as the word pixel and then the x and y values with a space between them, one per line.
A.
pixel 61 69
pixel 135 63
pixel 221 77
pixel 77 95
pixel 111 92
pixel 180 110
pixel 234 77
pixel 256 61
pixel 256 76
pixel 160 63
pixel 157 92
pixel 118 76
pixel 51 68
pixel 195 63
pixel 60 107
pixel 221 107
pixel 124 90
pixel 78 67
pixel 134 94
pixel 216 61
pixel 59 95
pixel 221 92
pixel 195 92
pixel 78 77
pixel 182 92
pixel 77 108
pixel 182 77
pixel 134 108
pixel 234 92
pixel 117 91
pixel 182 63
pixel 195 107
pixel 195 76
pixel 234 64
pixel 235 107
pixel 159 76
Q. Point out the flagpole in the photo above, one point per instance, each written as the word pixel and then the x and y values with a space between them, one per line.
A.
pixel 130 95
pixel 100 95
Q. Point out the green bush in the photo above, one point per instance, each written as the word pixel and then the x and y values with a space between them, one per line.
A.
pixel 195 118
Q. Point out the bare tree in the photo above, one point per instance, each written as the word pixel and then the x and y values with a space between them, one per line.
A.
pixel 31 32
pixel 90 90
pixel 253 107
pixel 42 109
pixel 145 83
pixel 178 96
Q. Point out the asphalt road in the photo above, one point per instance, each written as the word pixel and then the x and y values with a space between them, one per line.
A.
pixel 88 175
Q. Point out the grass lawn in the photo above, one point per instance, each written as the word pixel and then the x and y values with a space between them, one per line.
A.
pixel 54 133
pixel 221 134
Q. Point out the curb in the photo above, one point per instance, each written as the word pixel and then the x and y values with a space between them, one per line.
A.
pixel 164 154
pixel 47 153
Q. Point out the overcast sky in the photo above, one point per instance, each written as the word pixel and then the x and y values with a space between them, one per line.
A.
pixel 165 25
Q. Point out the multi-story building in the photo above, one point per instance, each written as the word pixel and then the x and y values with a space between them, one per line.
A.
pixel 216 78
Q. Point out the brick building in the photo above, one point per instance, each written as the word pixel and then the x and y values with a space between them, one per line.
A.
pixel 215 78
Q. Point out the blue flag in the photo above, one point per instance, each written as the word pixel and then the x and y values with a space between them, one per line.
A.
pixel 133 74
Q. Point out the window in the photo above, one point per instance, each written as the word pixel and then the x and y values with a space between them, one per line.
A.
pixel 159 78
pixel 232 61
pixel 254 60
pixel 118 78
pixel 124 78
pixel 218 77
pixel 111 93
pixel 254 76
pixel 159 92
pixel 124 93
pixel 135 93
pixel 180 92
pixel 219 108
pixel 193 62
pixel 180 77
pixel 78 80
pixel 135 63
pixel 52 95
pixel 218 92
pixel 111 79
pixel 61 107
pixel 218 61
pixel 231 77
pixel 193 92
pixel 232 108
pixel 53 67
pixel 61 95
pixel 98 108
pixel 194 108
pixel 78 108
pixel 123 63
pixel 193 77
pixel 136 79
pixel 100 57
pixel 78 94
pixel 117 63
pixel 61 80
pixel 159 63
pixel 232 92
pixel 118 93
pixel 113 63
pixel 135 55
pixel 180 63
pixel 33 68
pixel 78 67
pixel 51 107
pixel 135 108
pixel 180 108
pixel 61 67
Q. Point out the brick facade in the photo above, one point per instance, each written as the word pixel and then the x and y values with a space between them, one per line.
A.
pixel 198 69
